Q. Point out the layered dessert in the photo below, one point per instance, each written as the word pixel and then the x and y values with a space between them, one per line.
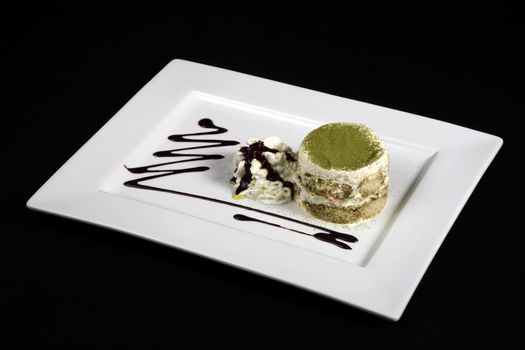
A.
pixel 264 171
pixel 342 174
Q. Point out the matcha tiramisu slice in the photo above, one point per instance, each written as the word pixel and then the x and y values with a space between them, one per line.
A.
pixel 342 173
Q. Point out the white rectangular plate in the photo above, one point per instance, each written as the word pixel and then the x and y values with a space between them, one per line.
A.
pixel 434 169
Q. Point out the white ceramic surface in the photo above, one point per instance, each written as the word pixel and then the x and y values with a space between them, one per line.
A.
pixel 434 169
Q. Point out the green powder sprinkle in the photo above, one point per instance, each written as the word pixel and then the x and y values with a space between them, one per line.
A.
pixel 342 146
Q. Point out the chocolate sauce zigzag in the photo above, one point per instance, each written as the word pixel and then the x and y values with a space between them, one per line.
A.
pixel 327 235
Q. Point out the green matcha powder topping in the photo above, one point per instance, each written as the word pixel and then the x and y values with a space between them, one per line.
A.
pixel 342 146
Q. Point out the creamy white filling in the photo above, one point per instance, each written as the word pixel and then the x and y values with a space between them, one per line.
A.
pixel 356 200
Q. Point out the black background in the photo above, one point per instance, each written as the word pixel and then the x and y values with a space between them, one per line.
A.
pixel 69 70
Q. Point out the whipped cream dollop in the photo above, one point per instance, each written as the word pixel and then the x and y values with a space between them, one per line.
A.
pixel 265 170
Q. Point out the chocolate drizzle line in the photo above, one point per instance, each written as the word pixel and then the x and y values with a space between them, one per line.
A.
pixel 329 236
pixel 255 151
